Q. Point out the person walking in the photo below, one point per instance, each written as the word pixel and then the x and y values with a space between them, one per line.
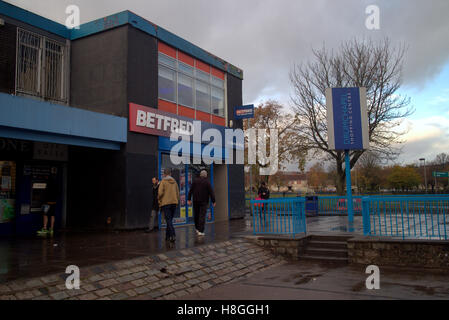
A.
pixel 168 197
pixel 51 196
pixel 155 206
pixel 201 190
pixel 264 194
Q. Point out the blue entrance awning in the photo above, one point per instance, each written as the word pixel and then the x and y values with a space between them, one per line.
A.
pixel 34 120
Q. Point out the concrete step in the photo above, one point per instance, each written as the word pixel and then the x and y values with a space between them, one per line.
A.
pixel 323 259
pixel 327 244
pixel 341 253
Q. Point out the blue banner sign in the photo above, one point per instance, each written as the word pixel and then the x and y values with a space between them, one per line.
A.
pixel 244 112
pixel 347 119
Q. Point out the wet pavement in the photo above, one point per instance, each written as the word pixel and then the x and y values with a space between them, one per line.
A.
pixel 311 280
pixel 334 224
pixel 33 257
pixel 130 265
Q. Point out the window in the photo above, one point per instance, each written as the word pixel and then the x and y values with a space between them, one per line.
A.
pixel 167 88
pixel 168 61
pixel 202 96
pixel 218 101
pixel 40 67
pixel 186 69
pixel 185 90
pixel 202 76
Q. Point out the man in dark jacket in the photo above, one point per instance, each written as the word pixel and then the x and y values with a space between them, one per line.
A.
pixel 201 191
pixel 154 207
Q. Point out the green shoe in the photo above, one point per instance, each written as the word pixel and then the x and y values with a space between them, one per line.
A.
pixel 42 232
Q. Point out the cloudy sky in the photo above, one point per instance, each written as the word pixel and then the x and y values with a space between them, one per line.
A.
pixel 266 37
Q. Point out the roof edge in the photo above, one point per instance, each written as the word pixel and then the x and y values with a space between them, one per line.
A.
pixel 114 21
pixel 33 19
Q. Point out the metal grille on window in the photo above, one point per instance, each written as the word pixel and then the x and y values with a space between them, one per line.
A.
pixel 28 63
pixel 40 67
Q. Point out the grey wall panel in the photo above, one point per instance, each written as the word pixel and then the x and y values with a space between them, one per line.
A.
pixel 99 72
pixel 141 149
pixel 142 68
pixel 8 36
pixel 236 173
pixel 140 170
pixel 234 98
pixel 236 191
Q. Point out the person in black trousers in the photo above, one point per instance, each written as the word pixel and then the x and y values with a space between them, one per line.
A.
pixel 201 190
pixel 264 194
pixel 155 206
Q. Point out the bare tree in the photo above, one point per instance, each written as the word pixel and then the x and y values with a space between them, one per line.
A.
pixel 272 115
pixel 376 66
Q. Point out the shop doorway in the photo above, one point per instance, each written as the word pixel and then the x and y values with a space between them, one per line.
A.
pixel 185 175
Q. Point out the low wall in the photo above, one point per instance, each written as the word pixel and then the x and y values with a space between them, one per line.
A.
pixel 290 248
pixel 402 253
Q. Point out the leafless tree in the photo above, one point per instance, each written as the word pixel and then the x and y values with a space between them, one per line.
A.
pixel 377 66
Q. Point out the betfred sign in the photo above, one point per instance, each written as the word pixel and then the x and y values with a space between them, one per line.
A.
pixel 156 122
pixel 244 112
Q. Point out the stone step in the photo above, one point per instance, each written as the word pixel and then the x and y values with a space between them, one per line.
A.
pixel 327 244
pixel 332 238
pixel 342 253
pixel 323 259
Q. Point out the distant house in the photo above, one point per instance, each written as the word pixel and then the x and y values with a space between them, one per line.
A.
pixel 289 181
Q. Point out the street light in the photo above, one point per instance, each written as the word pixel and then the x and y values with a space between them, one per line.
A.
pixel 425 171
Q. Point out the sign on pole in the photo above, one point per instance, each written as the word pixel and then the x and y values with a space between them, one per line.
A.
pixel 244 112
pixel 440 174
pixel 347 119
pixel 347 125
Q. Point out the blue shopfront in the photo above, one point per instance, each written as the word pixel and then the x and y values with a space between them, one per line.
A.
pixel 190 159
pixel 35 139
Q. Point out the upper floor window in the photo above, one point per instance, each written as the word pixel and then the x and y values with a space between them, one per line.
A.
pixel 41 67
pixel 185 85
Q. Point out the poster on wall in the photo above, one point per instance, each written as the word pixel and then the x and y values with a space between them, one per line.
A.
pixel 7 190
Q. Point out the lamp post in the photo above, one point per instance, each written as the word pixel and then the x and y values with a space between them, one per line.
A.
pixel 425 172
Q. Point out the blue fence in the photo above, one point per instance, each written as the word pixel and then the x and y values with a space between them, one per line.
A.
pixel 424 217
pixel 285 216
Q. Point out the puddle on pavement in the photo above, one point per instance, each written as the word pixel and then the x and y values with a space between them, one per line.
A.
pixel 427 290
pixel 302 278
pixel 359 286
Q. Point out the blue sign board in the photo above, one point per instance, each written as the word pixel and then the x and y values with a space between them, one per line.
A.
pixel 347 119
pixel 244 112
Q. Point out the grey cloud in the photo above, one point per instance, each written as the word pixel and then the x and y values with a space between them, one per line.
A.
pixel 265 38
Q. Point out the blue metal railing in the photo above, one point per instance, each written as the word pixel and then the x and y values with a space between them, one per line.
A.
pixel 423 217
pixel 282 216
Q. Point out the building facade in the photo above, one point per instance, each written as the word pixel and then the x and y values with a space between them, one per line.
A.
pixel 93 108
